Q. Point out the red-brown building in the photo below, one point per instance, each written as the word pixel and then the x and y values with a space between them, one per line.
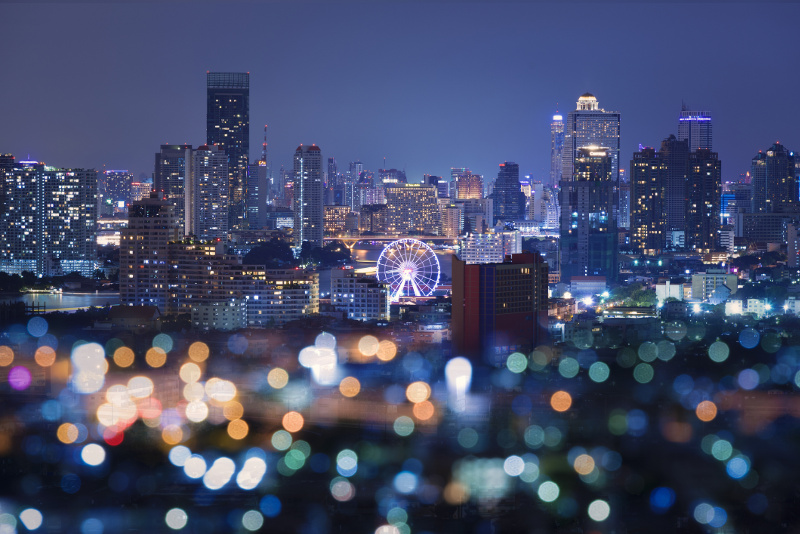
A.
pixel 499 308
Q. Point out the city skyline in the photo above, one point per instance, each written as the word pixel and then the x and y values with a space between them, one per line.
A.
pixel 377 100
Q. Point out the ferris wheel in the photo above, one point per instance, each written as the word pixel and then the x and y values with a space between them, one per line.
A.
pixel 410 267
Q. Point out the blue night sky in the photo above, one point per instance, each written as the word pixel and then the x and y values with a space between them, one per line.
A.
pixel 428 86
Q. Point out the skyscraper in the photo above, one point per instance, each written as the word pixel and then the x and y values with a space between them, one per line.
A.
pixel 412 209
pixel 695 128
pixel 704 189
pixel 308 207
pixel 49 225
pixel 774 181
pixel 144 253
pixel 207 199
pixel 228 126
pixel 556 148
pixel 469 185
pixel 169 176
pixel 509 200
pixel 588 125
pixel 588 242
pixel 113 192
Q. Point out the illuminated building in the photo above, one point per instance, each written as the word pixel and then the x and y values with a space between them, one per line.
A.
pixel 454 173
pixel 49 222
pixel 452 218
pixel 774 180
pixel 113 192
pixel 588 243
pixel 141 190
pixel 499 308
pixel 508 199
pixel 694 127
pixel 412 209
pixel 356 168
pixel 468 186
pixel 169 175
pixel 224 316
pixel 556 148
pixel 144 254
pixel 703 191
pixel 490 248
pixel 372 219
pixel 228 126
pixel 206 199
pixel 308 208
pixel 391 176
pixel 439 182
pixel 336 220
pixel 360 297
pixel 257 191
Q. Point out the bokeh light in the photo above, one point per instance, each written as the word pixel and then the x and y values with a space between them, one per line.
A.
pixel 706 411
pixel 561 401
pixel 349 386
pixel 198 351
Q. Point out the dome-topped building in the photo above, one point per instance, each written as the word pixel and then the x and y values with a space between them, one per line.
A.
pixel 587 102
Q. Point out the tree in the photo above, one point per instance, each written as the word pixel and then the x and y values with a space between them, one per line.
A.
pixel 99 274
pixel 273 254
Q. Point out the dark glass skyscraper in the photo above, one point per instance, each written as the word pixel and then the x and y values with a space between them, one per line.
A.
pixel 588 240
pixel 774 181
pixel 169 177
pixel 703 191
pixel 507 197
pixel 228 126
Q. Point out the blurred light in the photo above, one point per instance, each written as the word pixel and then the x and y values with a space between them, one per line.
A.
pixel 293 422
pixel 198 351
pixel 418 392
pixel 342 490
pixel 405 482
pixel 387 350
pixel 178 455
pixel 31 518
pixel 238 429
pixel 583 464
pixel 513 466
pixel 196 411
pixel 368 345
pixel 548 491
pixel 599 510
pixel 93 454
pixel 251 473
pixel 706 411
pixel 278 378
pixel 403 426
pixel 219 473
pixel 458 372
pixel 252 520
pixel 6 356
pixel 190 372
pixel 45 356
pixel 176 519
pixel 517 362
pixel 349 386
pixel 561 401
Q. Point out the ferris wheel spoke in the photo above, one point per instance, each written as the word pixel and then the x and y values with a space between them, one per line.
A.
pixel 417 291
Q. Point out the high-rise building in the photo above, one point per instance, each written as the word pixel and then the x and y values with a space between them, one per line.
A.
pixel 588 243
pixel 257 192
pixel 491 247
pixel 206 199
pixel 694 127
pixel 228 126
pixel 556 148
pixel 588 125
pixel 49 224
pixel 356 168
pixel 412 209
pixel 439 182
pixel 454 173
pixel 509 200
pixel 141 190
pixel 469 185
pixel 774 179
pixel 704 188
pixel 169 176
pixel 144 253
pixel 499 308
pixel 360 297
pixel 113 192
pixel 308 207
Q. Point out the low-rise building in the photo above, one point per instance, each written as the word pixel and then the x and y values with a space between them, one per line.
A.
pixel 360 297
pixel 704 284
pixel 221 315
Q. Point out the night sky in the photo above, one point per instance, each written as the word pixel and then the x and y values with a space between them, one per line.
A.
pixel 428 86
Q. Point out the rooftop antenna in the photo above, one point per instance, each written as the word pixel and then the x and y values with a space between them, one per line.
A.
pixel 264 146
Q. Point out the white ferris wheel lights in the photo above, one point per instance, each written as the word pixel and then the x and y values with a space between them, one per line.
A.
pixel 410 267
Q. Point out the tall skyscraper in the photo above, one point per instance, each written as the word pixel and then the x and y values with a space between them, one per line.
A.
pixel 704 190
pixel 509 200
pixel 589 125
pixel 169 176
pixel 469 185
pixel 113 192
pixel 588 242
pixel 144 253
pixel 308 207
pixel 556 148
pixel 332 178
pixel 228 126
pixel 207 199
pixel 695 128
pixel 774 179
pixel 356 168
pixel 49 225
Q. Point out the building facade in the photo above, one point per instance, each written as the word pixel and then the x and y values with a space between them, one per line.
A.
pixel 774 180
pixel 360 297
pixel 556 149
pixel 694 127
pixel 507 197
pixel 307 202
pixel 491 247
pixel 169 176
pixel 412 209
pixel 206 203
pixel 228 127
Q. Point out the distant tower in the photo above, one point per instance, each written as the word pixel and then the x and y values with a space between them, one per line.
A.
pixel 556 148
pixel 228 126
pixel 508 198
pixel 703 192
pixel 206 206
pixel 774 178
pixel 588 242
pixel 169 175
pixel 695 127
pixel 308 208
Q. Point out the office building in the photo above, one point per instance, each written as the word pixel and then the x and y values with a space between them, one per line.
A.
pixel 336 220
pixel 588 243
pixel 307 204
pixel 452 219
pixel 141 190
pixel 49 222
pixel 113 192
pixel 391 176
pixel 228 127
pixel 438 182
pixel 257 194
pixel 705 284
pixel 703 191
pixel 354 174
pixel 774 180
pixel 499 308
pixel 206 200
pixel 223 316
pixel 588 125
pixel 694 127
pixel 508 200
pixel 469 186
pixel 360 297
pixel 144 254
pixel 169 175
pixel 373 219
pixel 412 209
pixel 556 149
pixel 491 247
